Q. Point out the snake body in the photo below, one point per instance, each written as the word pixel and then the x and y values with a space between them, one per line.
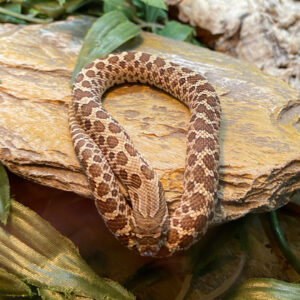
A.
pixel 107 155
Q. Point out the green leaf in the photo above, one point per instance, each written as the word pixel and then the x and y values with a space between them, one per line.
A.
pixel 162 15
pixel 197 43
pixel 107 34
pixel 150 13
pixel 46 294
pixel 33 12
pixel 51 9
pixel 20 18
pixel 4 195
pixel 121 5
pixel 14 8
pixel 72 5
pixel 11 286
pixel 138 4
pixel 177 31
pixel 156 3
pixel 32 250
pixel 61 2
pixel 265 289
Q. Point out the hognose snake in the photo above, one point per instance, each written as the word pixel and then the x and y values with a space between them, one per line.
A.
pixel 106 153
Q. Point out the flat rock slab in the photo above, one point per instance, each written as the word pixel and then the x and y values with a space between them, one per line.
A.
pixel 260 131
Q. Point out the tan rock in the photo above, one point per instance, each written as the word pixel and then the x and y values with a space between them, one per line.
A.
pixel 265 33
pixel 260 140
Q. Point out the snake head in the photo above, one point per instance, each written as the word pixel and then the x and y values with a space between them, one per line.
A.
pixel 150 218
pixel 150 235
pixel 149 245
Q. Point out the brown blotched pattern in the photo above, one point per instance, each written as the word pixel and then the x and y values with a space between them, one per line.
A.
pixel 107 154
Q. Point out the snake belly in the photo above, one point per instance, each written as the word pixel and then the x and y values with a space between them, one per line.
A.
pixel 141 220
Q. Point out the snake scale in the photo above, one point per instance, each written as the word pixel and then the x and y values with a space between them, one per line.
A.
pixel 107 155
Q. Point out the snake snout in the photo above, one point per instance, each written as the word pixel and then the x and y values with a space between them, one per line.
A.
pixel 150 233
pixel 149 243
pixel 148 250
pixel 148 253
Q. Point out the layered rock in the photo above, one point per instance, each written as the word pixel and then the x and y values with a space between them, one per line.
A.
pixel 260 139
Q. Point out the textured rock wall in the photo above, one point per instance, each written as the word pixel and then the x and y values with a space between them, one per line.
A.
pixel 265 33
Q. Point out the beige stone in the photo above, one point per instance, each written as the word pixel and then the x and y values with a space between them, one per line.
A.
pixel 260 139
pixel 265 33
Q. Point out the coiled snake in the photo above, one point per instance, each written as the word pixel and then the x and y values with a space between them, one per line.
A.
pixel 107 154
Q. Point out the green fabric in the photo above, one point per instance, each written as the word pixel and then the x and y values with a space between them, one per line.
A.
pixel 265 289
pixel 10 285
pixel 33 251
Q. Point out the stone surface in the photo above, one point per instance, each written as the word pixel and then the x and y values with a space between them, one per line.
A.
pixel 265 33
pixel 260 139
